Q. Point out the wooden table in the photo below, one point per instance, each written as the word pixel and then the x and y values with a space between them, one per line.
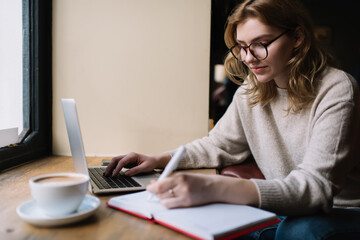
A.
pixel 106 223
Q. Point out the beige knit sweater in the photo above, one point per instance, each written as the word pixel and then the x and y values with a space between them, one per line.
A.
pixel 309 159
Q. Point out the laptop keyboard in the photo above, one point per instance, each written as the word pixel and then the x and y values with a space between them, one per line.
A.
pixel 120 181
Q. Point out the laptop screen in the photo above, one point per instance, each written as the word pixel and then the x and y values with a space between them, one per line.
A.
pixel 74 134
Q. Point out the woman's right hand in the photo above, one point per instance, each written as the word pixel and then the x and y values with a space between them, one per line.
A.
pixel 137 163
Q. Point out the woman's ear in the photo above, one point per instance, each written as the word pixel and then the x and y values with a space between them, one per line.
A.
pixel 299 36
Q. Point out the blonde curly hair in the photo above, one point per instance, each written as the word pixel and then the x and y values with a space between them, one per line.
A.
pixel 308 60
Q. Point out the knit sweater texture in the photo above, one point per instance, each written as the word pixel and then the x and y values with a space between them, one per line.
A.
pixel 310 159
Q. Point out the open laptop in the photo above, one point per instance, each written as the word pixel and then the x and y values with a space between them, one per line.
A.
pixel 98 183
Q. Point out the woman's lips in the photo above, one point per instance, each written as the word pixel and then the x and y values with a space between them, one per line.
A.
pixel 258 69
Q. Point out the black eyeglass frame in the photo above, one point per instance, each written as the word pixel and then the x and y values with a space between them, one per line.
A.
pixel 252 53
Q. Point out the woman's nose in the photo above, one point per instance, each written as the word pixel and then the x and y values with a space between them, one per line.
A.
pixel 250 57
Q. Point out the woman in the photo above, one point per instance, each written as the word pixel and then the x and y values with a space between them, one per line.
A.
pixel 295 114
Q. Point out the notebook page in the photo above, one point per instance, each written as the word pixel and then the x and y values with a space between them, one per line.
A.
pixel 138 203
pixel 214 219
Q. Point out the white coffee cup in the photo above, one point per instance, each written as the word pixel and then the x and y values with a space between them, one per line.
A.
pixel 59 194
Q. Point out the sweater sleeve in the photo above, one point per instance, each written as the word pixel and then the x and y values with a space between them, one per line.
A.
pixel 320 176
pixel 225 145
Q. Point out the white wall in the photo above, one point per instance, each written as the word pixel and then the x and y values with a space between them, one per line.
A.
pixel 138 69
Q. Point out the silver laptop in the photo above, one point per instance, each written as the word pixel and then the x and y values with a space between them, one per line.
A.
pixel 98 183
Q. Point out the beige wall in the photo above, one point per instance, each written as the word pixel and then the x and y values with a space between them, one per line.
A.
pixel 138 70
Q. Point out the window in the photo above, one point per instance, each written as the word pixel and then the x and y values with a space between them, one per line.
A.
pixel 32 110
pixel 11 66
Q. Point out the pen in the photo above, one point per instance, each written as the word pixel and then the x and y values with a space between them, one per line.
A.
pixel 171 166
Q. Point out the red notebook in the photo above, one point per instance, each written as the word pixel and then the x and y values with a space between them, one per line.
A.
pixel 212 221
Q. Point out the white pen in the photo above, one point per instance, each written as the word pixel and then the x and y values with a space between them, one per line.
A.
pixel 171 166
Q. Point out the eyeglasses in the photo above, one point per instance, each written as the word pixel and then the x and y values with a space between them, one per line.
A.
pixel 257 49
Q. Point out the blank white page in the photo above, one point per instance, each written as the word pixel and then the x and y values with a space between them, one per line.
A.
pixel 214 219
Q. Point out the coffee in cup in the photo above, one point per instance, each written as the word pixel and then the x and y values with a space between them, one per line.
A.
pixel 59 194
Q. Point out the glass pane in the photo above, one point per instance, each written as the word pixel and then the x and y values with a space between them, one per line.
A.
pixel 11 65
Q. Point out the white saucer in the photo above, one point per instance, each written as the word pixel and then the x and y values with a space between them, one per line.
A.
pixel 30 213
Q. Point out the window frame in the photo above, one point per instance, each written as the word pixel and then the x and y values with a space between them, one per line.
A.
pixel 36 138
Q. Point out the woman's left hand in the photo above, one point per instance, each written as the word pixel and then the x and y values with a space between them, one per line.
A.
pixel 186 190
